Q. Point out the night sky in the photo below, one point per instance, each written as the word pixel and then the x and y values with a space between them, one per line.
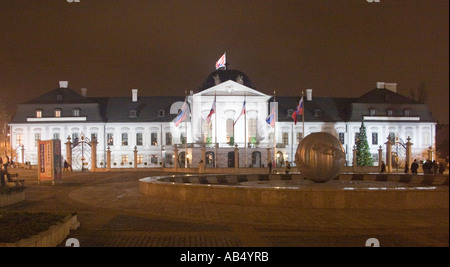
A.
pixel 340 48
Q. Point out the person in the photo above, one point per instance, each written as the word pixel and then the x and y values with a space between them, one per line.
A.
pixel 406 168
pixel 66 166
pixel 441 168
pixel 288 167
pixel 270 166
pixel 435 167
pixel 2 175
pixel 414 167
pixel 427 166
pixel 383 166
pixel 5 164
pixel 201 167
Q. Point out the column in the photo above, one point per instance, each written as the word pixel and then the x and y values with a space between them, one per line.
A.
pixel 135 158
pixel 108 159
pixel 355 150
pixel 236 158
pixel 380 156
pixel 269 155
pixel 408 151
pixel 23 155
pixel 69 152
pixel 203 151
pixel 175 156
pixel 430 153
pixel 388 156
pixel 94 144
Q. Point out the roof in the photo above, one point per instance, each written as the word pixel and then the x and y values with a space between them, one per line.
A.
pixel 60 96
pixel 384 96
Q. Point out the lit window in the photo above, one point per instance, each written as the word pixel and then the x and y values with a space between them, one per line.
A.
pixel 110 138
pixel 57 113
pixel 76 112
pixel 154 139
pixel 124 159
pixel 124 139
pixel 285 137
pixel 140 159
pixel 38 113
pixel 19 139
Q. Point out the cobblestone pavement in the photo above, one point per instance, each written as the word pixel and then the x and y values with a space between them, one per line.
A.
pixel 113 213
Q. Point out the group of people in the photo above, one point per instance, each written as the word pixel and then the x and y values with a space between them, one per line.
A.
pixel 428 167
pixel 4 175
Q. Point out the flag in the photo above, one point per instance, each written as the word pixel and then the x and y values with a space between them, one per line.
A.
pixel 242 113
pixel 213 110
pixel 298 110
pixel 182 115
pixel 221 63
pixel 271 119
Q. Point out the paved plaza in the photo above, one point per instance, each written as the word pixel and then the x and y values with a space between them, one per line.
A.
pixel 113 213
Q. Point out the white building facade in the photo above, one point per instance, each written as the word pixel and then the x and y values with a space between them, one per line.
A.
pixel 145 126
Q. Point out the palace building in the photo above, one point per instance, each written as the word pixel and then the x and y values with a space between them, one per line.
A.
pixel 145 125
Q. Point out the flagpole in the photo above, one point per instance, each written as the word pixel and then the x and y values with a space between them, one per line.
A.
pixel 215 129
pixel 274 131
pixel 185 138
pixel 245 128
pixel 303 118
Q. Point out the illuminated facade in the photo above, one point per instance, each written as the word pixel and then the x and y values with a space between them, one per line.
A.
pixel 145 124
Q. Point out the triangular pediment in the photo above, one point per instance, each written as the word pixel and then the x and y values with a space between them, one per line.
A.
pixel 230 88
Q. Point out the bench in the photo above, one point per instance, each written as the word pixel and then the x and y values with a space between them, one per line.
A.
pixel 13 179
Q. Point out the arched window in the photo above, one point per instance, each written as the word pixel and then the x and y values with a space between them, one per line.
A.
pixel 58 113
pixel 230 131
pixel 76 112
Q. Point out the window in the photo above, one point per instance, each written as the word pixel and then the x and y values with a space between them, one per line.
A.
pixel 230 126
pixel 356 137
pixel 299 137
pixel 124 159
pixel 37 137
pixel 76 112
pixel 140 159
pixel 94 136
pixel 139 139
pixel 392 137
pixel 374 138
pixel 133 114
pixel 290 112
pixel 407 112
pixel 182 139
pixel 154 159
pixel 110 139
pixel 154 139
pixel 74 138
pixel 58 113
pixel 39 113
pixel 389 112
pixel 19 139
pixel 372 112
pixel 252 128
pixel 317 113
pixel 56 136
pixel 168 139
pixel 342 138
pixel 124 139
pixel 285 137
pixel 162 113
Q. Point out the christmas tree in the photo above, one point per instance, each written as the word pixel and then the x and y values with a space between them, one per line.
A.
pixel 363 156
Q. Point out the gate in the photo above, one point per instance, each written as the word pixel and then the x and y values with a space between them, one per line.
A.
pixel 81 154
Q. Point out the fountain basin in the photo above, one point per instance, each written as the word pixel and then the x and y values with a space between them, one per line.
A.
pixel 367 192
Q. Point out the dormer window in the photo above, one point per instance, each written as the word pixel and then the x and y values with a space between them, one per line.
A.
pixel 317 113
pixel 39 113
pixel 59 98
pixel 133 114
pixel 161 113
pixel 389 112
pixel 58 113
pixel 407 112
pixel 76 112
pixel 372 112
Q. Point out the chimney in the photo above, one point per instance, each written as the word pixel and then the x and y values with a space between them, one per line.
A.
pixel 380 85
pixel 83 92
pixel 134 93
pixel 63 84
pixel 391 86
pixel 309 94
